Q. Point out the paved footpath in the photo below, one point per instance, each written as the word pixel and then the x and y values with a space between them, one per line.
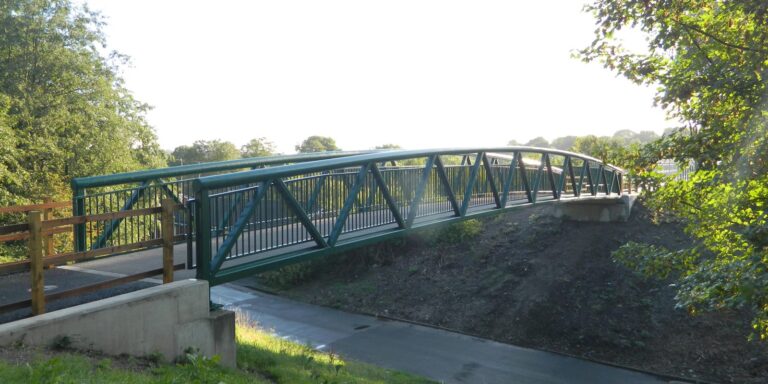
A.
pixel 444 356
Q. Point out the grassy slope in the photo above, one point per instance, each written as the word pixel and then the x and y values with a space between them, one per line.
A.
pixel 262 358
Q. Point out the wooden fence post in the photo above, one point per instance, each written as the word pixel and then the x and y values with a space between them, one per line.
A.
pixel 167 232
pixel 34 219
pixel 47 213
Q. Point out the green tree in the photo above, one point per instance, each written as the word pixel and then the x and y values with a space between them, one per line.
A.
pixel 538 142
pixel 317 144
pixel 513 143
pixel 603 148
pixel 388 146
pixel 258 147
pixel 708 59
pixel 67 112
pixel 204 151
pixel 12 175
pixel 645 137
pixel 563 143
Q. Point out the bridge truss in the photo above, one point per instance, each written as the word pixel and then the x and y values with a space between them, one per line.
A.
pixel 263 219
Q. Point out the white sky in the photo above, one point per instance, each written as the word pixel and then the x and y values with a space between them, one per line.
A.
pixel 416 73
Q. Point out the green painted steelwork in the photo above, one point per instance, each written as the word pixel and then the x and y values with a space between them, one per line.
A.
pixel 301 211
pixel 110 227
pixel 120 192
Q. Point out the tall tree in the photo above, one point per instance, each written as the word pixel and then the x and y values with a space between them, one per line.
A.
pixel 563 143
pixel 12 175
pixel 258 147
pixel 709 61
pixel 538 142
pixel 317 144
pixel 68 112
pixel 603 148
pixel 388 146
pixel 204 151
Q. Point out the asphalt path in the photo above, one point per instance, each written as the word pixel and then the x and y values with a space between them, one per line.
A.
pixel 442 355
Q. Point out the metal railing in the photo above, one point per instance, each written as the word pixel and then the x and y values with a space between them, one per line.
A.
pixel 673 169
pixel 259 220
pixel 145 189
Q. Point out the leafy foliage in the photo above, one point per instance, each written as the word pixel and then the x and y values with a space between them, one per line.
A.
pixel 538 142
pixel 204 151
pixel 258 147
pixel 460 232
pixel 709 61
pixel 388 146
pixel 64 111
pixel 563 143
pixel 650 260
pixel 317 144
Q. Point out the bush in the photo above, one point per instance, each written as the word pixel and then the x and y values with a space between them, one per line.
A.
pixel 459 232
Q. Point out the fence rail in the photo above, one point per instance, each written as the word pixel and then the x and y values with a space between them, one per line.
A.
pixel 36 229
pixel 280 215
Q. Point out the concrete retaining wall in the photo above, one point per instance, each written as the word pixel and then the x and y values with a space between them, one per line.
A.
pixel 167 319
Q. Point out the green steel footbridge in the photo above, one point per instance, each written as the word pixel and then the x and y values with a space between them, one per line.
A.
pixel 253 215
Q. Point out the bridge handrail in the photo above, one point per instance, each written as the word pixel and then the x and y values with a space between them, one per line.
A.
pixel 158 179
pixel 239 178
pixel 190 169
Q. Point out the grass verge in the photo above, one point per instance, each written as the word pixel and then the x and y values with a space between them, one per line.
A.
pixel 262 358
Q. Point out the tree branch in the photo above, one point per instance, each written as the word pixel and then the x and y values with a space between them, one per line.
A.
pixel 720 40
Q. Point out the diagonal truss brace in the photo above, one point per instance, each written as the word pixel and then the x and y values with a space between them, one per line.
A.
pixel 413 209
pixel 239 226
pixel 300 213
pixel 349 202
pixel 443 176
pixel 387 196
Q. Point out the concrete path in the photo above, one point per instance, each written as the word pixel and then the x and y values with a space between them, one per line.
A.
pixel 440 355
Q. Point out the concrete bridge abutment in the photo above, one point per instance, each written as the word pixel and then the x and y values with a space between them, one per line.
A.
pixel 598 209
pixel 168 319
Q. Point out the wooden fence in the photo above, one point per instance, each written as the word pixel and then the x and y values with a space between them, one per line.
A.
pixel 47 208
pixel 39 231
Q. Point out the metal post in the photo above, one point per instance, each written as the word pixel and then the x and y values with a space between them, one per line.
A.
pixel 78 209
pixel 35 221
pixel 203 235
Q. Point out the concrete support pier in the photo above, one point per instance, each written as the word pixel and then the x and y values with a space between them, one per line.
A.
pixel 166 319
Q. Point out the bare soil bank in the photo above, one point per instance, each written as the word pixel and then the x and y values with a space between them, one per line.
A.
pixel 531 280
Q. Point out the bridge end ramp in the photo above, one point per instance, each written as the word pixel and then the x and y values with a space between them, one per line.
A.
pixel 167 319
pixel 606 209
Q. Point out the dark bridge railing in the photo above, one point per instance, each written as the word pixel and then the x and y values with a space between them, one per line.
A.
pixel 122 192
pixel 259 220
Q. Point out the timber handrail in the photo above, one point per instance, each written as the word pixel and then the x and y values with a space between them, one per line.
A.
pixel 36 229
pixel 36 207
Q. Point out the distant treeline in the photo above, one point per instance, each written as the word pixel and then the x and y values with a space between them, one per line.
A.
pixel 623 137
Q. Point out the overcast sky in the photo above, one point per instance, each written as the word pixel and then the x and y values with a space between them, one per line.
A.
pixel 419 74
